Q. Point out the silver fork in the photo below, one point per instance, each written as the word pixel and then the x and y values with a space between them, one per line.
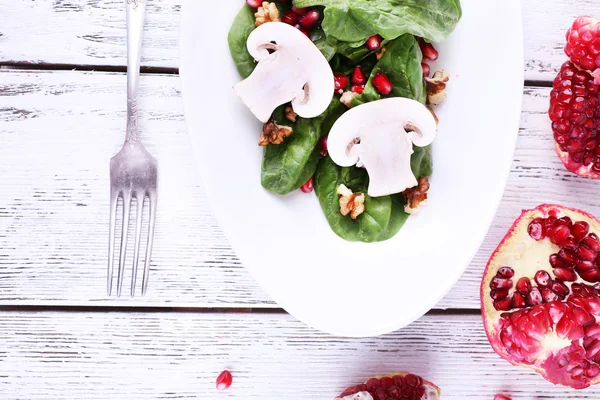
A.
pixel 133 171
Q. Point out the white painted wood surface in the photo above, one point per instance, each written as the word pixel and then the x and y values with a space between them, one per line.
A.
pixel 179 355
pixel 92 32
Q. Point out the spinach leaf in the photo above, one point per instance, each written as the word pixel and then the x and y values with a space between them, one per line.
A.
pixel 288 165
pixel 243 25
pixel 402 65
pixel 356 20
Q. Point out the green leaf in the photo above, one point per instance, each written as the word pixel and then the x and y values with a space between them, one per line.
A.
pixel 356 20
pixel 288 165
pixel 243 25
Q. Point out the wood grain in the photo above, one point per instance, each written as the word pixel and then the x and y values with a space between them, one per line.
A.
pixel 57 131
pixel 92 32
pixel 178 355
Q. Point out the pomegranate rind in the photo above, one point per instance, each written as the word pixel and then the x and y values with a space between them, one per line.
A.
pixel 518 233
pixel 425 382
pixel 574 167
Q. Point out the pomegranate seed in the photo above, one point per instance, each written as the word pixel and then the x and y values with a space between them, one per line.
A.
pixel 499 283
pixel 580 229
pixel 290 18
pixel 501 397
pixel 324 150
pixel 542 278
pixel 399 380
pixel 565 221
pixel 498 294
pixel 556 262
pixel 505 272
pixel 426 69
pixel 413 380
pixel 386 381
pixel 308 186
pixel 373 384
pixel 536 229
pixel 548 295
pixel 381 393
pixel 358 76
pixel 535 297
pixel 584 265
pixel 254 3
pixel 591 275
pixel 560 288
pixel 382 84
pixel 224 380
pixel 519 300
pixel 429 52
pixel 357 88
pixel 559 234
pixel 341 82
pixel 503 305
pixel 308 20
pixel 565 274
pixel 523 285
pixel 584 253
pixel 548 225
pixel 592 242
pixel 569 243
pixel 299 11
pixel 374 42
pixel 568 256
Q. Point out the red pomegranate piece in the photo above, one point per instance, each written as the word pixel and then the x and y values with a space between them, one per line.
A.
pixel 382 84
pixel 575 115
pixel 400 385
pixel 540 295
pixel 583 43
pixel 299 11
pixel 429 52
pixel 374 42
pixel 310 19
pixel 357 88
pixel 309 186
pixel 340 81
pixel 290 18
pixel 224 380
pixel 426 69
pixel 324 150
pixel 501 397
pixel 358 76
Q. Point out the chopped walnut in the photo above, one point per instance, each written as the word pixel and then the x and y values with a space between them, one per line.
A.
pixel 416 197
pixel 290 114
pixel 268 12
pixel 274 134
pixel 347 98
pixel 436 87
pixel 351 203
pixel 381 52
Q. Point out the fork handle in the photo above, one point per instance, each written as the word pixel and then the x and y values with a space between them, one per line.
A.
pixel 136 13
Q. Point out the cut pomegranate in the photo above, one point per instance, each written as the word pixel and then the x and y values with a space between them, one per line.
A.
pixel 429 52
pixel 290 18
pixel 382 84
pixel 308 186
pixel 357 88
pixel 401 385
pixel 254 3
pixel 358 76
pixel 426 69
pixel 324 146
pixel 224 380
pixel 575 115
pixel 310 19
pixel 540 295
pixel 341 82
pixel 374 42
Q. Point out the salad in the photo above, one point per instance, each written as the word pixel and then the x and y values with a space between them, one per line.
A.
pixel 345 97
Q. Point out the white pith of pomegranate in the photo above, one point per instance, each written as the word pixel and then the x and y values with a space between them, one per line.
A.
pixel 540 295
pixel 400 385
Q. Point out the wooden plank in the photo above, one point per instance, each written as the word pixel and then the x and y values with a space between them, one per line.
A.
pixel 172 355
pixel 92 32
pixel 58 130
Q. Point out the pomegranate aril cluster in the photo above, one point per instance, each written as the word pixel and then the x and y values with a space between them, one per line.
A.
pixel 408 387
pixel 302 18
pixel 583 43
pixel 575 113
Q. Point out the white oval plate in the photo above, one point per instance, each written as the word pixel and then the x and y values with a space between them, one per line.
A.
pixel 358 289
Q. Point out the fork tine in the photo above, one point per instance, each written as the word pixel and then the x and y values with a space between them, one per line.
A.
pixel 114 199
pixel 138 234
pixel 152 203
pixel 124 232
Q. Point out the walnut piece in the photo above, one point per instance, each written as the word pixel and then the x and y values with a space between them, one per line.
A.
pixel 268 12
pixel 381 52
pixel 347 98
pixel 416 197
pixel 274 134
pixel 351 203
pixel 436 87
pixel 290 114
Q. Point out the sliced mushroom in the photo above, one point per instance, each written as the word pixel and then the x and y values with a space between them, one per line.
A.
pixel 380 136
pixel 290 68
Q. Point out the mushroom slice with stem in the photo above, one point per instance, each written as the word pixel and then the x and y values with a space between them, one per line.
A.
pixel 290 69
pixel 380 136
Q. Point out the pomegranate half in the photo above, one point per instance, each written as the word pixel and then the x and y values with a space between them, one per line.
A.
pixel 540 295
pixel 400 385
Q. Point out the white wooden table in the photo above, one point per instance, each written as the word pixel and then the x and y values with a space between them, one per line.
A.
pixel 62 116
